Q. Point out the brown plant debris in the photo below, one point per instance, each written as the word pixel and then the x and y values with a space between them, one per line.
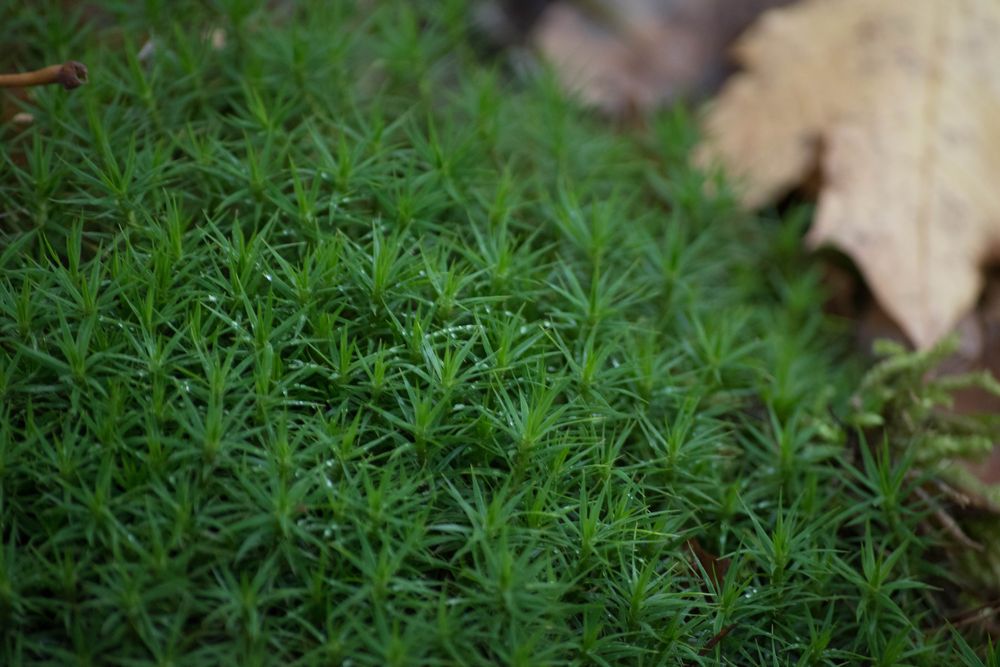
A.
pixel 624 56
pixel 70 74
pixel 898 103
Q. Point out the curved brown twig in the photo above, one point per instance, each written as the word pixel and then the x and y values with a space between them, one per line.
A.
pixel 71 74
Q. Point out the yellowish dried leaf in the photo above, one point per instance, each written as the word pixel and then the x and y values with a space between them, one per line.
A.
pixel 898 103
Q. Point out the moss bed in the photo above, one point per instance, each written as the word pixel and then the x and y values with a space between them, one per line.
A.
pixel 342 343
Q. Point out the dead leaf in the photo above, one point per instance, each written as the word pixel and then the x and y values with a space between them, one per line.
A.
pixel 898 101
pixel 714 566
pixel 632 55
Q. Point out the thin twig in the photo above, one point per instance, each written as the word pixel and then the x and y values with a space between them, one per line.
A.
pixel 71 74
pixel 975 614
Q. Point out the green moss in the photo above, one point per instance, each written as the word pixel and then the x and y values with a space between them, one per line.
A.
pixel 340 344
pixel 909 399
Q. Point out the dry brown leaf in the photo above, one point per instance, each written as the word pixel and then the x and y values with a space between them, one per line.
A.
pixel 632 55
pixel 898 102
pixel 715 567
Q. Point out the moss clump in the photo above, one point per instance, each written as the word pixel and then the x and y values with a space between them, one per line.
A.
pixel 339 345
pixel 909 400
